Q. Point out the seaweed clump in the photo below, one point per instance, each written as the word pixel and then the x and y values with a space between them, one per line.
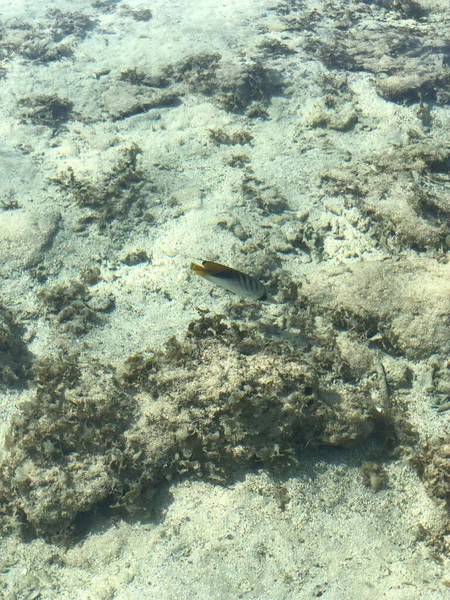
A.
pixel 433 465
pixel 54 38
pixel 47 109
pixel 14 357
pixel 73 307
pixel 65 449
pixel 112 193
pixel 224 396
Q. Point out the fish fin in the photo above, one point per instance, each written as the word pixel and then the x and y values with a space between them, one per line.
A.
pixel 199 270
pixel 214 268
pixel 210 268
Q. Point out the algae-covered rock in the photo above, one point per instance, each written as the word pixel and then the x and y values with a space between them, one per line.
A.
pixel 404 305
pixel 72 306
pixel 65 449
pixel 241 87
pixel 46 109
pixel 14 357
pixel 53 38
pixel 400 191
pixel 224 396
pixel 111 192
pixel 433 464
pixel 123 100
pixel 404 70
pixel 25 237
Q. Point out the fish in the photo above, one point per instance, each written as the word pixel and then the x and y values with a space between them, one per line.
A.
pixel 232 280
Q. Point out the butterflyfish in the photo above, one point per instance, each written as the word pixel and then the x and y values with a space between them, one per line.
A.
pixel 232 280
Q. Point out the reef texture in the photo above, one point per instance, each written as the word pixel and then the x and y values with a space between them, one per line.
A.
pixel 94 435
pixel 332 363
pixel 402 305
pixel 401 192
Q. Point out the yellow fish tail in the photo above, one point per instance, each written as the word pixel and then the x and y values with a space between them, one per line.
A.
pixel 199 270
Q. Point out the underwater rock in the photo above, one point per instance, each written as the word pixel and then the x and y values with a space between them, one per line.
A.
pixel 47 109
pixel 25 236
pixel 401 192
pixel 94 435
pixel 15 360
pixel 74 308
pixel 404 303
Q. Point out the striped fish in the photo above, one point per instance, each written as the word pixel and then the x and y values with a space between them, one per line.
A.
pixel 232 280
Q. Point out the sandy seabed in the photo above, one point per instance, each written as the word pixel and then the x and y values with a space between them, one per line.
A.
pixel 287 450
